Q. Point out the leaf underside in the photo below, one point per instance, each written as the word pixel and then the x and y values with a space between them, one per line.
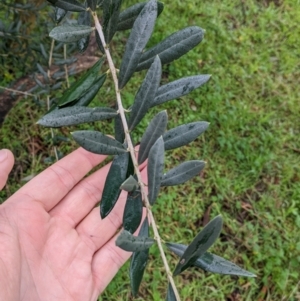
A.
pixel 98 143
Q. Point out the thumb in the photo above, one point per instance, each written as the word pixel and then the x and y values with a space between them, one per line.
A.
pixel 6 165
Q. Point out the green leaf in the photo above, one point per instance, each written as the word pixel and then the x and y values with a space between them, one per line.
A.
pixel 119 130
pixel 212 263
pixel 139 261
pixel 130 243
pixel 133 211
pixel 145 95
pixel 92 4
pixel 173 47
pixel 70 33
pixel 129 15
pixel 90 94
pixel 139 36
pixel 155 168
pixel 170 295
pixel 70 5
pixel 114 179
pixel 76 115
pixel 184 134
pixel 201 243
pixel 179 88
pixel 155 129
pixel 81 86
pixel 84 18
pixel 182 173
pixel 130 184
pixel 111 12
pixel 59 14
pixel 98 143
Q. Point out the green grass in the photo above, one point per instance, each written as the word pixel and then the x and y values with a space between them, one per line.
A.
pixel 251 148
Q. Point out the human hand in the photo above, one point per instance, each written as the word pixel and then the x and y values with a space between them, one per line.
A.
pixel 53 243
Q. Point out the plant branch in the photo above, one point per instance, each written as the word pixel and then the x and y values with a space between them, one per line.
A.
pixel 48 97
pixel 132 153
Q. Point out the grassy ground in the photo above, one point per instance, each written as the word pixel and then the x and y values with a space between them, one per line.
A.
pixel 252 148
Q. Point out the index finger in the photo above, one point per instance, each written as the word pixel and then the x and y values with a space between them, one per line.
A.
pixel 51 185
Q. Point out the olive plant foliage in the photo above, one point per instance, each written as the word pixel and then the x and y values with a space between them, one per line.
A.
pixel 72 109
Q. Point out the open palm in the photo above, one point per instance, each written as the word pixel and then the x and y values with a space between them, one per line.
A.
pixel 53 243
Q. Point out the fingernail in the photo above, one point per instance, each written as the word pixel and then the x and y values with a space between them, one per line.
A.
pixel 3 155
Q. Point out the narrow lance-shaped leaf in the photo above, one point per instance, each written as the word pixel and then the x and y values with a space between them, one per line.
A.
pixel 182 173
pixel 98 143
pixel 129 15
pixel 133 211
pixel 70 5
pixel 146 94
pixel 139 261
pixel 84 19
pixel 90 94
pixel 70 33
pixel 155 168
pixel 139 36
pixel 201 243
pixel 212 263
pixel 170 294
pixel 76 115
pixel 115 178
pixel 179 88
pixel 184 134
pixel 119 130
pixel 130 243
pixel 59 14
pixel 155 129
pixel 80 87
pixel 111 12
pixel 173 47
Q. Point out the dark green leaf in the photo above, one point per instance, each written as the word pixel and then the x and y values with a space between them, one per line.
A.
pixel 90 94
pixel 76 115
pixel 129 15
pixel 133 211
pixel 139 36
pixel 59 14
pixel 114 179
pixel 184 134
pixel 119 130
pixel 201 243
pixel 70 33
pixel 155 168
pixel 81 86
pixel 212 263
pixel 84 19
pixel 155 129
pixel 130 184
pixel 170 295
pixel 182 173
pixel 173 47
pixel 130 243
pixel 98 143
pixel 145 95
pixel 139 261
pixel 179 88
pixel 92 4
pixel 111 11
pixel 71 5
pixel 83 44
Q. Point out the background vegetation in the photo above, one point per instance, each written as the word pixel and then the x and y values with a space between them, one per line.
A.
pixel 252 147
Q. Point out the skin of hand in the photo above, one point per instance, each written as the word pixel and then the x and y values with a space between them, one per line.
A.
pixel 53 243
